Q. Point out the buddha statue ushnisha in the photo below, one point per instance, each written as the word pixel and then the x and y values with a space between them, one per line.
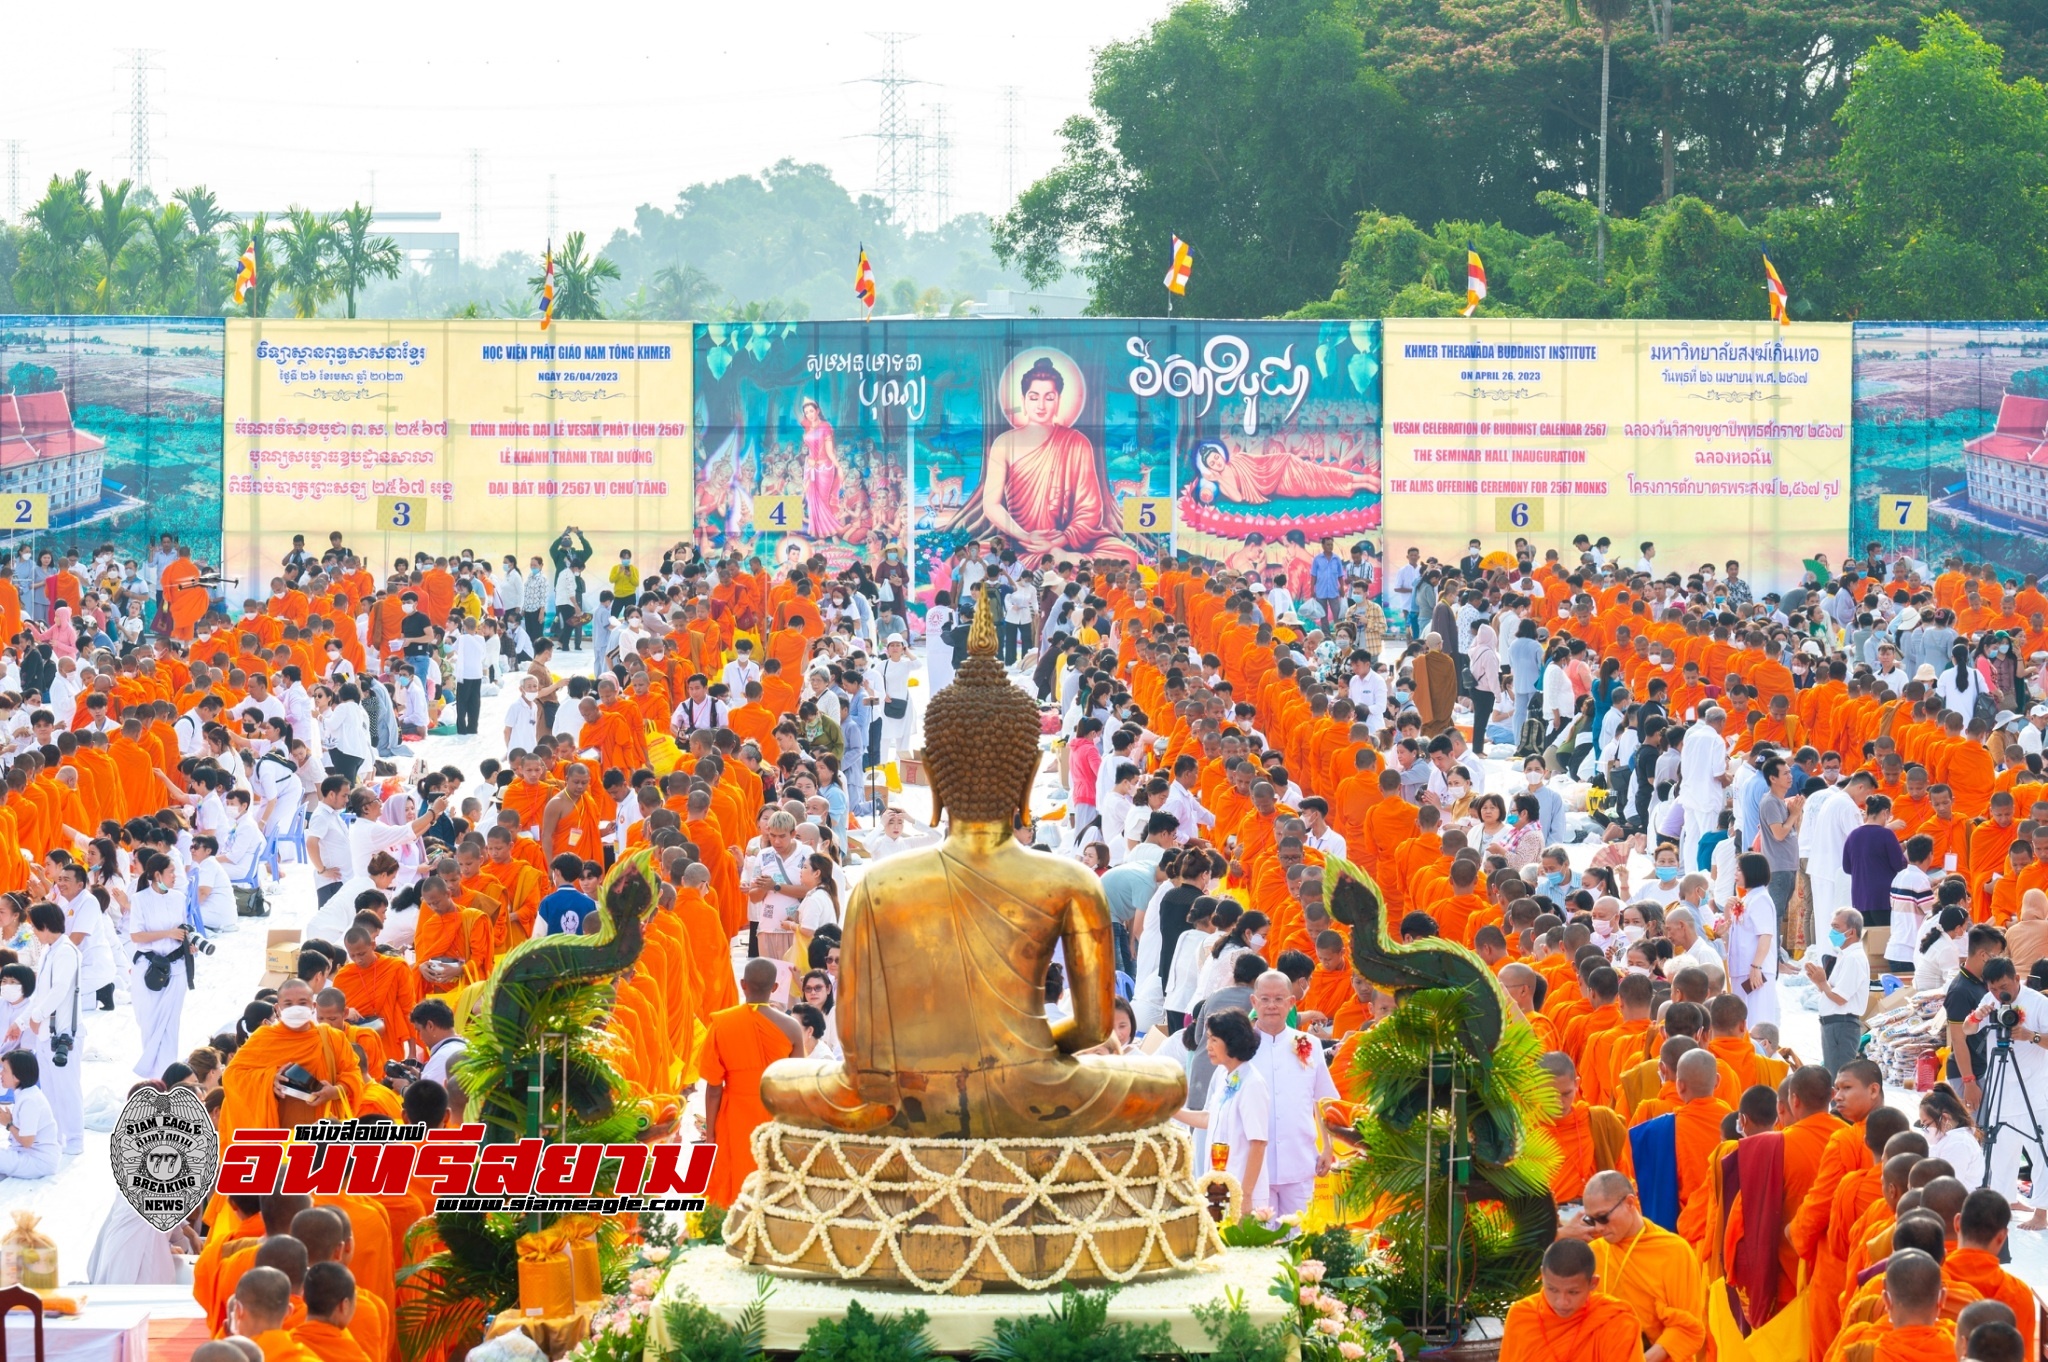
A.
pixel 942 968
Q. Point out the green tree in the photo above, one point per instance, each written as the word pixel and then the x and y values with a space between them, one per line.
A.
pixel 112 223
pixel 53 273
pixel 1606 13
pixel 207 220
pixel 578 277
pixel 307 243
pixel 258 239
pixel 167 237
pixel 360 257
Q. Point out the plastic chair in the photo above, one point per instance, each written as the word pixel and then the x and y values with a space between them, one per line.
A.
pixel 21 1297
pixel 293 836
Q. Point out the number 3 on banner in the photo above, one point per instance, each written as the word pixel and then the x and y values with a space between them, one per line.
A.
pixel 1512 515
pixel 28 511
pixel 1904 515
pixel 402 514
pixel 779 515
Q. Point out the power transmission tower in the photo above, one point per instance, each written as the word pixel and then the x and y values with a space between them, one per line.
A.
pixel 14 179
pixel 898 179
pixel 140 70
pixel 942 168
pixel 1011 96
pixel 476 203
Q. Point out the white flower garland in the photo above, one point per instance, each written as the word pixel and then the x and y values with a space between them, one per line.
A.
pixel 782 1190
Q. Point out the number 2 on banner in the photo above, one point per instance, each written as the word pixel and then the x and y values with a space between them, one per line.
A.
pixel 28 511
pixel 1903 515
pixel 1147 515
pixel 1513 515
pixel 779 515
pixel 402 514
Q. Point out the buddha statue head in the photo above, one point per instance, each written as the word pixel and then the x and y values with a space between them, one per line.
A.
pixel 981 734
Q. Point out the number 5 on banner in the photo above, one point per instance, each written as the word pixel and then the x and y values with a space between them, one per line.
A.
pixel 1147 515
pixel 779 515
pixel 28 511
pixel 406 515
pixel 1903 515
pixel 1512 515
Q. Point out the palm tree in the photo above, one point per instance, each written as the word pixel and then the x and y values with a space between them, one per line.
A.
pixel 682 292
pixel 53 271
pixel 169 232
pixel 112 224
pixel 360 257
pixel 307 270
pixel 1606 13
pixel 577 277
pixel 205 217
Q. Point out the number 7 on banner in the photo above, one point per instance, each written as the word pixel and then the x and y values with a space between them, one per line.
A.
pixel 1903 515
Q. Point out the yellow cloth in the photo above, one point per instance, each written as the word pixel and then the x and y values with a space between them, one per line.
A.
pixel 1657 1276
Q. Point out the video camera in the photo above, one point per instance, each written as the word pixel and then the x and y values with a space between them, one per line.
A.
pixel 402 1071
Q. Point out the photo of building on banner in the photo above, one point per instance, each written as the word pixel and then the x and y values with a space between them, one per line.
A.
pixel 1707 440
pixel 1056 439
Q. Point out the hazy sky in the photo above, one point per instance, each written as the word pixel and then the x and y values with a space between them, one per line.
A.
pixel 621 103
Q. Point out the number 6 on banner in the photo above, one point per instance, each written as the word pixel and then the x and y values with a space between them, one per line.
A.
pixel 28 511
pixel 1903 515
pixel 1514 514
pixel 403 514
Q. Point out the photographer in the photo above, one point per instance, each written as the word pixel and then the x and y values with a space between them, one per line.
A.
pixel 435 1022
pixel 161 973
pixel 1966 1045
pixel 2015 1018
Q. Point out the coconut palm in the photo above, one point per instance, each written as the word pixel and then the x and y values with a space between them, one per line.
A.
pixel 577 277
pixel 168 233
pixel 306 270
pixel 112 223
pixel 1606 13
pixel 205 218
pixel 54 274
pixel 360 257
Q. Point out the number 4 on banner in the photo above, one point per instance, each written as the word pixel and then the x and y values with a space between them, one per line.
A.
pixel 28 511
pixel 405 515
pixel 779 514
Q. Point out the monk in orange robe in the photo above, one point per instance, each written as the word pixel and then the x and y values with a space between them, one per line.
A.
pixel 1807 1134
pixel 1570 1317
pixel 250 1080
pixel 709 947
pixel 381 987
pixel 518 886
pixel 1695 1134
pixel 1590 1139
pixel 447 932
pixel 1858 1091
pixel 261 1306
pixel 742 1042
pixel 1980 1232
pixel 184 597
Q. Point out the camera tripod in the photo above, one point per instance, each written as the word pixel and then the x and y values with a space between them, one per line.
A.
pixel 2002 1066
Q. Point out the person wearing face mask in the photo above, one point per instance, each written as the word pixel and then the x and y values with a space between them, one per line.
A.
pixel 52 1011
pixel 161 972
pixel 1549 804
pixel 2014 1106
pixel 17 982
pixel 31 1147
pixel 1842 979
pixel 290 1071
pixel 1247 937
pixel 1665 874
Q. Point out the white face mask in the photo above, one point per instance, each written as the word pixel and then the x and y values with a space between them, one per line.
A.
pixel 10 993
pixel 1256 941
pixel 296 1018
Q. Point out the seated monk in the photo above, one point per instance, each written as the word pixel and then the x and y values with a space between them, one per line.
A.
pixel 255 1091
pixel 1571 1317
pixel 976 1059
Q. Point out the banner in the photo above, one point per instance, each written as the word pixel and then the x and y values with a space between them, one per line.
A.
pixel 117 421
pixel 1709 440
pixel 439 436
pixel 1060 439
pixel 1952 442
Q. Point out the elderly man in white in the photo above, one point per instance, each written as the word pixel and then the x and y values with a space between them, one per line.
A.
pixel 1702 782
pixel 1299 1079
pixel 1830 816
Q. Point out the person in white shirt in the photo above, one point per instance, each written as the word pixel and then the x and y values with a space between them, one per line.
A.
pixel 742 670
pixel 1844 990
pixel 1939 958
pixel 1182 803
pixel 244 842
pixel 327 838
pixel 1703 780
pixel 33 1140
pixel 412 700
pixel 892 677
pixel 216 896
pixel 897 835
pixel 1298 1077
pixel 1239 1112
pixel 522 716
pixel 472 659
pixel 157 928
pixel 85 921
pixel 54 1010
pixel 345 731
pixel 191 727
pixel 1315 815
pixel 369 835
pixel 2018 1108
pixel 774 871
pixel 274 786
pixel 298 706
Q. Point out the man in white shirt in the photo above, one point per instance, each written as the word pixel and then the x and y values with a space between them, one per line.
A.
pixel 298 706
pixel 1703 781
pixel 1315 814
pixel 2033 730
pixel 210 883
pixel 472 659
pixel 191 727
pixel 244 838
pixel 741 670
pixel 86 924
pixel 1401 584
pixel 1182 803
pixel 259 701
pixel 1298 1077
pixel 278 795
pixel 435 1022
pixel 1830 816
pixel 327 839
pixel 412 700
pixel 896 836
pixel 1844 990
pixel 56 1008
pixel 773 874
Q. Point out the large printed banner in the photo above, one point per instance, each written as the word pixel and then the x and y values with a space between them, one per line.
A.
pixel 117 421
pixel 439 436
pixel 1122 439
pixel 1712 440
pixel 1952 442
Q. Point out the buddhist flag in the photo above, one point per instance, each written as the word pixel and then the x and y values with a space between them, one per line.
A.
pixel 1475 279
pixel 864 282
pixel 245 273
pixel 1177 272
pixel 547 286
pixel 1776 288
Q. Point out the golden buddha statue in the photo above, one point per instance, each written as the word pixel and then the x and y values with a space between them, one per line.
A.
pixel 942 969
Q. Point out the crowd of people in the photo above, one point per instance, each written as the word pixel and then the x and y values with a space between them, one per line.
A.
pixel 1639 795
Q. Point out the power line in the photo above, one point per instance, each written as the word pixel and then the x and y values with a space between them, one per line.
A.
pixel 139 72
pixel 898 178
pixel 1011 98
pixel 942 168
pixel 14 179
pixel 476 202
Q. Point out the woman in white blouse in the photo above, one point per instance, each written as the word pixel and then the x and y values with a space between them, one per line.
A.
pixel 1950 1135
pixel 1248 935
pixel 1239 1111
pixel 156 927
pixel 1937 961
pixel 1185 969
